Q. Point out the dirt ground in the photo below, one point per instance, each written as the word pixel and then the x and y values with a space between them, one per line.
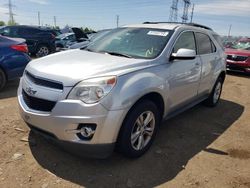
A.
pixel 202 147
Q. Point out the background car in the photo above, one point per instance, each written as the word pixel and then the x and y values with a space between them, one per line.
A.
pixel 65 40
pixel 238 56
pixel 14 58
pixel 92 37
pixel 40 41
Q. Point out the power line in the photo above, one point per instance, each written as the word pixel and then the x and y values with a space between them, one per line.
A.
pixel 185 11
pixel 11 14
pixel 192 14
pixel 173 17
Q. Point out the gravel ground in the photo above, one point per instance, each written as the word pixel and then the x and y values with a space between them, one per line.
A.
pixel 202 147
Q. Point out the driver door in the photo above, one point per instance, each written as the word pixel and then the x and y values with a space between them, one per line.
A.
pixel 185 74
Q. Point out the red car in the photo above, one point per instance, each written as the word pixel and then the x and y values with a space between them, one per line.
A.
pixel 238 56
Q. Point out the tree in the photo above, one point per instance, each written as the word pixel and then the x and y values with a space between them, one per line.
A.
pixel 12 23
pixel 2 23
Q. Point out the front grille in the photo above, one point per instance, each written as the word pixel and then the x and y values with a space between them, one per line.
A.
pixel 237 58
pixel 43 82
pixel 38 104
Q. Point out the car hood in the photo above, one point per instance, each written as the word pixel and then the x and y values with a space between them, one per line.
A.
pixel 72 66
pixel 237 52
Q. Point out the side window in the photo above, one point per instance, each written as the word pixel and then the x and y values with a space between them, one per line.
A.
pixel 5 31
pixel 213 46
pixel 218 39
pixel 186 40
pixel 23 31
pixel 204 44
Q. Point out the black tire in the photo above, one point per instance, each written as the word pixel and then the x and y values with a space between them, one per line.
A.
pixel 42 50
pixel 142 109
pixel 3 79
pixel 211 101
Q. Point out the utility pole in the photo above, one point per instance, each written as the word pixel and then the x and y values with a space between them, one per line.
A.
pixel 117 20
pixel 229 31
pixel 192 14
pixel 11 14
pixel 173 16
pixel 39 21
pixel 185 11
pixel 55 21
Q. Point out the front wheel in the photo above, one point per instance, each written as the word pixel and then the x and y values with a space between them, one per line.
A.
pixel 139 129
pixel 214 97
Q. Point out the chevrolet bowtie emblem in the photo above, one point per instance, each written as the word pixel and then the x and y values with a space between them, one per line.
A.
pixel 30 91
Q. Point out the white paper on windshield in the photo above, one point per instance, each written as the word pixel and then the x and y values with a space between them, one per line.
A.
pixel 158 33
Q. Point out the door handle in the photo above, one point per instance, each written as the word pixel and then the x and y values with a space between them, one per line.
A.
pixel 197 64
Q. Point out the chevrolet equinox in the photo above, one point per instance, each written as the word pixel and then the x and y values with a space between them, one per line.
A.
pixel 115 92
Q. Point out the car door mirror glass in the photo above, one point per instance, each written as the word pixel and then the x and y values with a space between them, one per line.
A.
pixel 183 54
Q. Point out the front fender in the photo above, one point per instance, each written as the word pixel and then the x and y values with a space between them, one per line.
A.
pixel 131 87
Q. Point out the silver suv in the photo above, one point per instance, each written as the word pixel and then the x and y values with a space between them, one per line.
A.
pixel 115 92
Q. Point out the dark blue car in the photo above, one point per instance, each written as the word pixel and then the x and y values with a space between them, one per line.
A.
pixel 13 59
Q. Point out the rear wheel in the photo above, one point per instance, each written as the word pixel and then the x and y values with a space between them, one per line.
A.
pixel 2 79
pixel 214 97
pixel 42 50
pixel 139 129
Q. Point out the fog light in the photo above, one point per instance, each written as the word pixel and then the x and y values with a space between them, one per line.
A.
pixel 86 131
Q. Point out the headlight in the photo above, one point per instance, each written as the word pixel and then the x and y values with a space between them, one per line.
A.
pixel 92 90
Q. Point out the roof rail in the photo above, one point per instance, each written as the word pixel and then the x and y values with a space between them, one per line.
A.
pixel 190 24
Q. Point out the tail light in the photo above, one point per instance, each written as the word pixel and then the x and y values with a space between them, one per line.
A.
pixel 20 47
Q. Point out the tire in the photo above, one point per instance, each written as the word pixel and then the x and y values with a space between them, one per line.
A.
pixel 3 79
pixel 42 50
pixel 214 96
pixel 134 139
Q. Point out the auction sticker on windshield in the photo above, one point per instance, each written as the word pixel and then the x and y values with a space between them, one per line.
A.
pixel 158 33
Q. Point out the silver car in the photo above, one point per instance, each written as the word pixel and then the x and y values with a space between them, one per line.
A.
pixel 116 92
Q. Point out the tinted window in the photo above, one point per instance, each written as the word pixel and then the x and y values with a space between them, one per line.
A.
pixel 218 39
pixel 203 43
pixel 186 40
pixel 10 31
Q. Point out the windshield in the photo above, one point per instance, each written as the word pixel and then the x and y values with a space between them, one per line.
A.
pixel 132 42
pixel 242 45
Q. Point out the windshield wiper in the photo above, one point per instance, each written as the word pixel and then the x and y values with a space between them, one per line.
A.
pixel 117 54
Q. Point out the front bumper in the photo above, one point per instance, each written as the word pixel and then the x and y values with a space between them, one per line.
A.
pixel 65 118
pixel 238 66
pixel 99 151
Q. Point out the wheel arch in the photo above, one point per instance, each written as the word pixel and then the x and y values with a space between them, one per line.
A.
pixel 5 73
pixel 154 97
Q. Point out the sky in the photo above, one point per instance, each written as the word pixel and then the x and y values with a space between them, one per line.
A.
pixel 101 14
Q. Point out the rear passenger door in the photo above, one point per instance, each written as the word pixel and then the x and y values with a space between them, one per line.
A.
pixel 30 35
pixel 207 54
pixel 185 74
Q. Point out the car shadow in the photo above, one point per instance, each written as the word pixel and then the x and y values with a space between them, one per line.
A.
pixel 10 90
pixel 178 141
pixel 240 74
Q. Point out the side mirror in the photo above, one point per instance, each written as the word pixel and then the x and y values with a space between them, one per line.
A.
pixel 183 54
